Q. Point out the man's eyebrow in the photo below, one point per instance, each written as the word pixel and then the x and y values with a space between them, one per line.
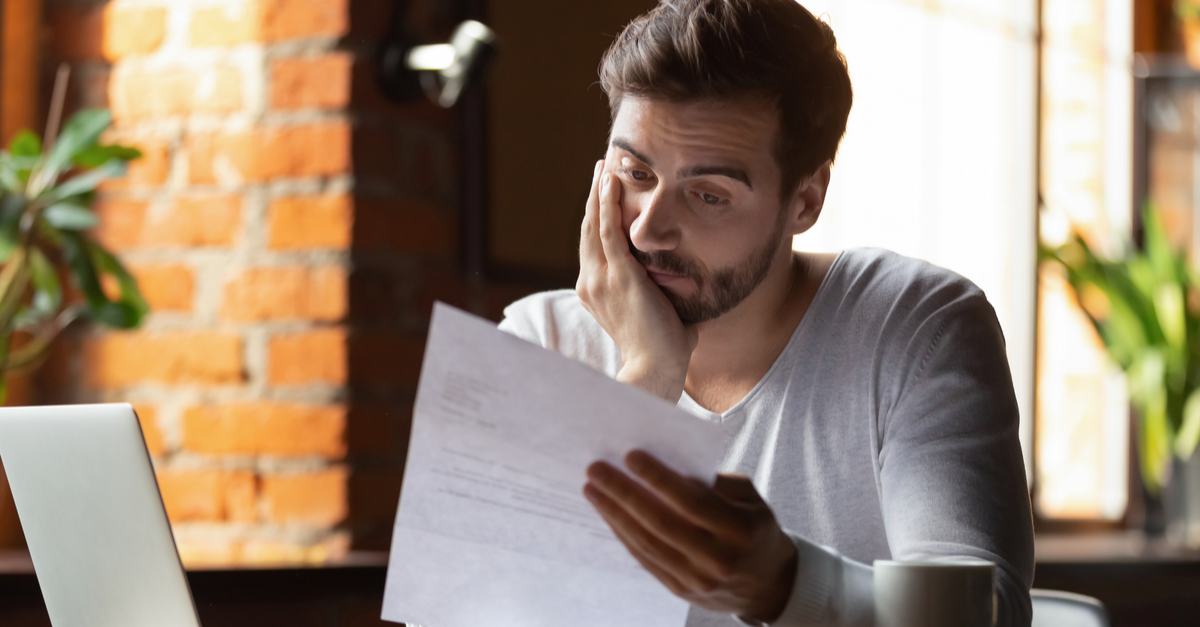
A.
pixel 736 174
pixel 624 145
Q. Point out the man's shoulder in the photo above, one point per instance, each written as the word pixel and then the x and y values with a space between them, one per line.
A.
pixel 879 278
pixel 543 312
pixel 558 321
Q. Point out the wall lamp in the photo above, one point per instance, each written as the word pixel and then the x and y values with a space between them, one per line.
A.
pixel 440 72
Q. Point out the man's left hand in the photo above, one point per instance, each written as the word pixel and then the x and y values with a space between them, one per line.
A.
pixel 718 548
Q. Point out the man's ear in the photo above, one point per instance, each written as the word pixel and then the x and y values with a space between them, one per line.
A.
pixel 807 201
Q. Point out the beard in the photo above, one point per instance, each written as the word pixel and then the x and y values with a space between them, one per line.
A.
pixel 717 292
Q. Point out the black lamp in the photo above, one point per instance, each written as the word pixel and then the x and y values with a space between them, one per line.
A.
pixel 440 72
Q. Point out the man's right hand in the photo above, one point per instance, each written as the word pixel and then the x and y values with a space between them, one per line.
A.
pixel 655 345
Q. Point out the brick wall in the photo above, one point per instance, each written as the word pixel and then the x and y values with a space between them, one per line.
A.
pixel 290 230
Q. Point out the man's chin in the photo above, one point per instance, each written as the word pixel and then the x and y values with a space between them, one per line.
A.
pixel 690 310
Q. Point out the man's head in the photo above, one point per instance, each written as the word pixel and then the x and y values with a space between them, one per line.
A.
pixel 726 115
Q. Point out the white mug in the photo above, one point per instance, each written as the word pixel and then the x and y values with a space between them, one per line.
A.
pixel 935 594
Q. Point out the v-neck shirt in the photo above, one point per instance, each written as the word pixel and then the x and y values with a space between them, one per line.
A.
pixel 887 428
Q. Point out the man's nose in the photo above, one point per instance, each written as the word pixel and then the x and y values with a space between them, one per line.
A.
pixel 654 226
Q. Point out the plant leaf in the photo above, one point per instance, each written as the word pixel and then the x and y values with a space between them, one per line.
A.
pixel 1189 432
pixel 70 216
pixel 10 173
pixel 1155 449
pixel 25 144
pixel 80 132
pixel 99 155
pixel 83 183
pixel 83 271
pixel 47 297
pixel 131 304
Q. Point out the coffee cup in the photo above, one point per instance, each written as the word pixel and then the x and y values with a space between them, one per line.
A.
pixel 935 594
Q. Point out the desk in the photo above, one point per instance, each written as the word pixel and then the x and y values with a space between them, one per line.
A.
pixel 346 593
pixel 1144 583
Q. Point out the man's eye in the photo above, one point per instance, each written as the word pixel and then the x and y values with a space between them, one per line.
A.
pixel 638 175
pixel 709 199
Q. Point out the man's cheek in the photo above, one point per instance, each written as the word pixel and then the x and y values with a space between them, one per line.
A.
pixel 630 210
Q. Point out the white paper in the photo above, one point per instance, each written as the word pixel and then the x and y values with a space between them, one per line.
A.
pixel 493 529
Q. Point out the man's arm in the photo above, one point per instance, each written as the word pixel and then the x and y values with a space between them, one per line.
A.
pixel 656 346
pixel 952 486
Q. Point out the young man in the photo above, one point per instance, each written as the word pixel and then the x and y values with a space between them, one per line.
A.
pixel 866 398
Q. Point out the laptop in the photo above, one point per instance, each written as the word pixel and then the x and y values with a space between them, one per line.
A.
pixel 95 524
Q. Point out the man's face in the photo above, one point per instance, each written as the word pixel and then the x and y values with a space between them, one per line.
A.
pixel 699 198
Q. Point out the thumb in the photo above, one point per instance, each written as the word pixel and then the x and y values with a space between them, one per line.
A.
pixel 737 487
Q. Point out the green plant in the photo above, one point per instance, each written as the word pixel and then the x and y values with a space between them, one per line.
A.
pixel 1146 308
pixel 45 220
pixel 1187 10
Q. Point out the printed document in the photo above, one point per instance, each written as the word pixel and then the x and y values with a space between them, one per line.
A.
pixel 493 529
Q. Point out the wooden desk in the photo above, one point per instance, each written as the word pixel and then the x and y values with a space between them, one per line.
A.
pixel 346 593
pixel 1144 583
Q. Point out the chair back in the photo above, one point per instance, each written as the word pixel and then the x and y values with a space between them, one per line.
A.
pixel 1052 608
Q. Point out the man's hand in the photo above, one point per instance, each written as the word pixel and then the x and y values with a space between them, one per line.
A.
pixel 718 548
pixel 655 345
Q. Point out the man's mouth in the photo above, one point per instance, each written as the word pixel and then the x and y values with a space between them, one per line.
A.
pixel 665 278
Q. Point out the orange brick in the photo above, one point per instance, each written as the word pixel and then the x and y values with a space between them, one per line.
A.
pixel 310 357
pixel 197 221
pixel 314 498
pixel 121 223
pixel 208 495
pixel 273 293
pixel 200 158
pixel 151 431
pixel 297 151
pixel 320 82
pixel 149 170
pixel 194 221
pixel 227 25
pixel 268 21
pixel 139 95
pixel 310 222
pixel 166 287
pixel 266 429
pixel 328 294
pixel 133 30
pixel 119 359
pixel 405 227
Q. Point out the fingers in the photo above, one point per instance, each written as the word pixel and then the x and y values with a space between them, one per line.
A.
pixel 667 563
pixel 590 250
pixel 692 498
pixel 737 487
pixel 612 233
pixel 625 499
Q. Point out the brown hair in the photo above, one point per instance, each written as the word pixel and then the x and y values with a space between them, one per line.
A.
pixel 690 50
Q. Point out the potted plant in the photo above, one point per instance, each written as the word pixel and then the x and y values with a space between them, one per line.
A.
pixel 1187 13
pixel 1146 307
pixel 45 218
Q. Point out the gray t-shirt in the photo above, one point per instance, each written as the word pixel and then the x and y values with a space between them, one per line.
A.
pixel 886 429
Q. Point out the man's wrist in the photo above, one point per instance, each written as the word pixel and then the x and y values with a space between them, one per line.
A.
pixel 781 593
pixel 659 380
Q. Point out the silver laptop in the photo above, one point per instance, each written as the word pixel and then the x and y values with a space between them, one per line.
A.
pixel 92 515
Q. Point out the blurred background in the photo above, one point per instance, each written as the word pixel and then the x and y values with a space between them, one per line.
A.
pixel 290 226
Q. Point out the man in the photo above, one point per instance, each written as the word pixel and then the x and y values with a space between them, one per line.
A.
pixel 866 398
